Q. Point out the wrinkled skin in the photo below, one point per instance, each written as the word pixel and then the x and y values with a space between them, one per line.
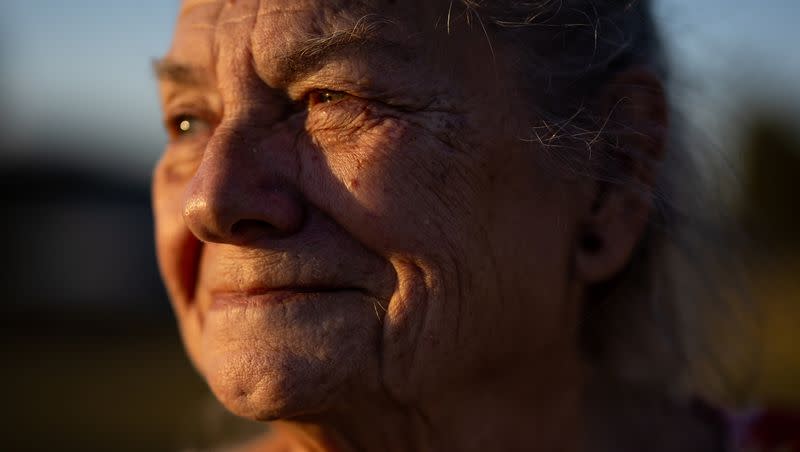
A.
pixel 365 249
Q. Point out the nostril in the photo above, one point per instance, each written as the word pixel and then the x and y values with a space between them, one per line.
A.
pixel 247 230
pixel 221 208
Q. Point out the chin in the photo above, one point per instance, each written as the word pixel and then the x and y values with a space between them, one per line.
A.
pixel 283 385
pixel 290 359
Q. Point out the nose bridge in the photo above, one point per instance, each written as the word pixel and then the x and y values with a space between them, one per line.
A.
pixel 244 188
pixel 254 150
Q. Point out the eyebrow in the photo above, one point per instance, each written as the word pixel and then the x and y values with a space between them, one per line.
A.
pixel 306 57
pixel 167 69
pixel 314 52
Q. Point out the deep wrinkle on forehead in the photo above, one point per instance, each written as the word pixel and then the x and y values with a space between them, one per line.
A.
pixel 282 59
pixel 288 44
pixel 306 56
pixel 295 63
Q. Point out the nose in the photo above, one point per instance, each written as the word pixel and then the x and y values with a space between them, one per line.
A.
pixel 242 191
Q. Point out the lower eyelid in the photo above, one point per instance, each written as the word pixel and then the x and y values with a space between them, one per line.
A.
pixel 339 113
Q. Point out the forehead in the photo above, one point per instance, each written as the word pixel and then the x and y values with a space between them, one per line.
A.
pixel 270 26
pixel 210 33
pixel 420 53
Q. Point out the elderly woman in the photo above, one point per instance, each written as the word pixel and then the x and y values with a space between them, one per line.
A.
pixel 425 225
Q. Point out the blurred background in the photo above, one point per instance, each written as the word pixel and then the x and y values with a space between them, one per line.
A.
pixel 91 358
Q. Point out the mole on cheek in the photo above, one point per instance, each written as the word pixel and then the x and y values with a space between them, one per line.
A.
pixel 354 183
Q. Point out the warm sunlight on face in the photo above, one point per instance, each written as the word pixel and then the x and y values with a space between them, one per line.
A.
pixel 345 212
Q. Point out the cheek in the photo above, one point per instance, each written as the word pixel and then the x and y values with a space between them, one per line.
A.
pixel 397 187
pixel 473 234
pixel 422 204
pixel 177 250
pixel 170 228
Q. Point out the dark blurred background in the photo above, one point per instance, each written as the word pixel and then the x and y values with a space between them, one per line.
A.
pixel 90 357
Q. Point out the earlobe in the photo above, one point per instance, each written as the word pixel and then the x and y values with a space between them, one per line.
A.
pixel 616 219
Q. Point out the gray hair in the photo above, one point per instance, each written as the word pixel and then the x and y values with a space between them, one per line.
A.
pixel 648 325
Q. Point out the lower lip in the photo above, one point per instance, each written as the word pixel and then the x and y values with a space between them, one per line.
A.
pixel 244 299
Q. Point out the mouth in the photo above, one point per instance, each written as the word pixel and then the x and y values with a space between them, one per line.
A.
pixel 273 296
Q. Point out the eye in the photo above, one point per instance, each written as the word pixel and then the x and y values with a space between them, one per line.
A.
pixel 324 96
pixel 185 125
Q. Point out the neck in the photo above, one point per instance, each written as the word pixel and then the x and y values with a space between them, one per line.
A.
pixel 538 409
pixel 569 415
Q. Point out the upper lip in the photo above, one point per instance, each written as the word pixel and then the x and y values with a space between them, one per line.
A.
pixel 266 273
pixel 322 260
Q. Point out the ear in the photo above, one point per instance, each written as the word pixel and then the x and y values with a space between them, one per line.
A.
pixel 634 143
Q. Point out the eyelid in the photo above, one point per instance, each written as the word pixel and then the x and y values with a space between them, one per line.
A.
pixel 368 88
pixel 323 96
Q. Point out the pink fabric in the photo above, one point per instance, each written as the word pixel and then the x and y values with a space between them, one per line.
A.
pixel 771 430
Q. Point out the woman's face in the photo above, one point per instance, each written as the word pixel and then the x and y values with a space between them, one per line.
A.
pixel 348 208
